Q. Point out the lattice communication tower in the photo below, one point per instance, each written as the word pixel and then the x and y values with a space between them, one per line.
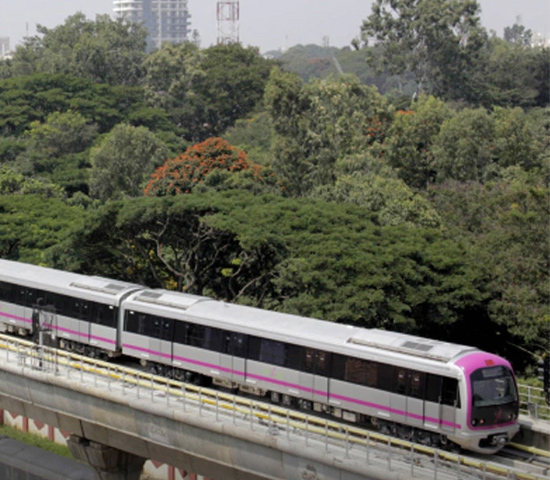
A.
pixel 228 22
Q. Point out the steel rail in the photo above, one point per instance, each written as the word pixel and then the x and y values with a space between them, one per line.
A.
pixel 326 431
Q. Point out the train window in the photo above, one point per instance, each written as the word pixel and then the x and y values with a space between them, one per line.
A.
pixel 213 338
pixel 355 371
pixel 272 352
pixel 449 392
pixel 294 357
pixel 416 384
pixel 371 374
pixel 104 314
pixel 130 322
pixel 254 344
pixel 309 355
pixel 5 292
pixel 400 380
pixel 167 329
pixel 180 333
pixel 195 335
pixel 235 344
pixel 322 363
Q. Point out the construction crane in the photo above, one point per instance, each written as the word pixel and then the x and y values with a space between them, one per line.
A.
pixel 228 21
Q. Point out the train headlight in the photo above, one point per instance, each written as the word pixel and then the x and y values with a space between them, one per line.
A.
pixel 475 422
pixel 482 422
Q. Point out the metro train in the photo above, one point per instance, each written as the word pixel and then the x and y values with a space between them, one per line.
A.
pixel 429 391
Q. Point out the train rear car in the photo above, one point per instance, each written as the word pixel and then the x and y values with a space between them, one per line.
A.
pixel 78 312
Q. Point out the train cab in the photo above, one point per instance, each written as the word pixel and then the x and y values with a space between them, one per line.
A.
pixel 493 400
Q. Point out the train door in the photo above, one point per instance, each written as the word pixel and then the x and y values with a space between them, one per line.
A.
pixel 30 318
pixel 233 356
pixel 314 378
pixel 160 341
pixel 398 396
pixel 449 404
pixel 441 402
pixel 415 398
pixel 407 398
pixel 82 314
pixel 320 379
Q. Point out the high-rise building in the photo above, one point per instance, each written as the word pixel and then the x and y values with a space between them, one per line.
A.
pixel 166 20
pixel 4 47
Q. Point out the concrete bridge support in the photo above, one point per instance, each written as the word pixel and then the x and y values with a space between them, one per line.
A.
pixel 109 463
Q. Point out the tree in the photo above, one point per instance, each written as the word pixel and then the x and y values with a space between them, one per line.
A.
pixel 505 225
pixel 27 99
pixel 206 91
pixel 104 50
pixel 233 84
pixel 410 139
pixel 464 147
pixel 510 75
pixel 184 173
pixel 518 35
pixel 318 123
pixel 169 76
pixel 475 145
pixel 436 40
pixel 124 161
pixel 387 201
pixel 53 147
pixel 32 223
pixel 168 242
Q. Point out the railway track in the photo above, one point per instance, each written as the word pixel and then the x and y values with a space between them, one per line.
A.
pixel 516 462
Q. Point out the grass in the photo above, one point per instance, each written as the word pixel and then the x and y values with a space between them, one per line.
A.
pixel 35 440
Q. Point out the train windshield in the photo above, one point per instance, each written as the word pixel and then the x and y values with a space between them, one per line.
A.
pixel 493 386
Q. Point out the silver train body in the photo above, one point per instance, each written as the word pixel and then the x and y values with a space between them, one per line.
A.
pixel 433 392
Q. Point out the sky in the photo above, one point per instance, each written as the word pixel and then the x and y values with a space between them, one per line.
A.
pixel 267 24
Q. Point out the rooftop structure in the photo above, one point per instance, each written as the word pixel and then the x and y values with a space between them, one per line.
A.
pixel 166 20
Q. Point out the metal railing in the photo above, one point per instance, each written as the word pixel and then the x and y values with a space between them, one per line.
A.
pixel 329 435
pixel 533 403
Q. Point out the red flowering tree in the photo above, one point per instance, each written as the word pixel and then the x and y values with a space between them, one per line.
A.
pixel 181 174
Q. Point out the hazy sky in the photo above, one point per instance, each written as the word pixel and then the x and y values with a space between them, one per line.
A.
pixel 268 24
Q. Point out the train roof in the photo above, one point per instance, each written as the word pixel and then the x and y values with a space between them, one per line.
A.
pixel 298 329
pixel 58 281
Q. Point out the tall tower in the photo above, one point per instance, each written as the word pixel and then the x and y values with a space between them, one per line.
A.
pixel 228 21
pixel 166 20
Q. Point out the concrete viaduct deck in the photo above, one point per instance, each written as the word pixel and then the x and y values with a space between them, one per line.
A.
pixel 119 417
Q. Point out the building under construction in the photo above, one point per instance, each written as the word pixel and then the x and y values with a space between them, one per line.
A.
pixel 166 20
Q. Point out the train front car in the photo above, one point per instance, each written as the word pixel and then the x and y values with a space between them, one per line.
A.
pixel 492 402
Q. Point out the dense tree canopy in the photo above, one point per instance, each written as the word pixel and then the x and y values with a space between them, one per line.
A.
pixel 351 197
pixel 103 51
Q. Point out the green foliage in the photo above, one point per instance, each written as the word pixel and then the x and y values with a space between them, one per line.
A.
pixel 103 51
pixel 388 201
pixel 55 150
pixel 505 222
pixel 124 161
pixel 254 135
pixel 512 74
pixel 206 91
pixel 434 39
pixel 27 99
pixel 30 224
pixel 475 145
pixel 318 123
pixel 35 440
pixel 15 183
pixel 410 139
